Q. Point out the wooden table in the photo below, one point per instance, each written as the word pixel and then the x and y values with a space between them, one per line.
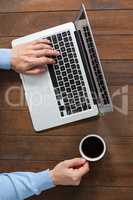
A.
pixel 21 149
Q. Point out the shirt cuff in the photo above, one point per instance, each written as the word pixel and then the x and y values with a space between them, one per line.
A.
pixel 5 59
pixel 43 181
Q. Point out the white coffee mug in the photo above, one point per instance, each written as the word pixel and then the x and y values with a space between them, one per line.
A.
pixel 94 158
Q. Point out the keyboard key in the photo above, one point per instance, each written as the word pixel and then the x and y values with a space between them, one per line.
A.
pixel 64 54
pixel 68 110
pixel 67 84
pixel 62 114
pixel 70 55
pixel 70 94
pixel 64 94
pixel 70 38
pixel 69 71
pixel 65 39
pixel 65 100
pixel 59 78
pixel 56 67
pixel 67 45
pixel 64 73
pixel 73 66
pixel 59 37
pixel 65 79
pixel 73 87
pixel 71 44
pixel 56 46
pixel 59 57
pixel 74 72
pixel 61 83
pixel 69 50
pixel 62 68
pixel 67 65
pixel 61 62
pixel 65 60
pixel 64 34
pixel 62 89
pixel 71 101
pixel 77 82
pixel 62 49
pixel 84 106
pixel 62 108
pixel 58 72
pixel 71 81
pixel 53 76
pixel 61 43
pixel 54 39
pixel 79 88
pixel 72 61
pixel 59 97
pixel 70 76
pixel 68 90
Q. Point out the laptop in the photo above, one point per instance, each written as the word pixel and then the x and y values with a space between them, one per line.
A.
pixel 75 87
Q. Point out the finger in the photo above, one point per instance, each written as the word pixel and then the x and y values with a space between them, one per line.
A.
pixel 41 46
pixel 35 71
pixel 76 162
pixel 47 52
pixel 44 41
pixel 42 61
pixel 83 169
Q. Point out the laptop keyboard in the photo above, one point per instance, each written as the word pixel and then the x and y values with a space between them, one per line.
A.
pixel 95 63
pixel 66 76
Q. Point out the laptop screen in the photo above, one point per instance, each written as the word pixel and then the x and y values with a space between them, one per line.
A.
pixel 94 65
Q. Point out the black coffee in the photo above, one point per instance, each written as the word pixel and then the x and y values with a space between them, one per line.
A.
pixel 92 147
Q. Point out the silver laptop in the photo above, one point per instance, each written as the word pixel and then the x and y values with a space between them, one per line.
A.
pixel 75 87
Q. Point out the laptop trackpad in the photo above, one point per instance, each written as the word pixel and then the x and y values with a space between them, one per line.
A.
pixel 40 97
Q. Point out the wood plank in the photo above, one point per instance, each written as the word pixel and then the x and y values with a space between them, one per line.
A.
pixel 49 5
pixel 13 98
pixel 19 123
pixel 103 22
pixel 63 147
pixel 116 43
pixel 114 174
pixel 118 73
pixel 100 193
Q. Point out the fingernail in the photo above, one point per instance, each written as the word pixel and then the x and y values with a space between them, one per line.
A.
pixel 47 40
pixel 83 160
pixel 57 52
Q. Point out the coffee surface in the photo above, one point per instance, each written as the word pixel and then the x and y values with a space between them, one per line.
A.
pixel 92 147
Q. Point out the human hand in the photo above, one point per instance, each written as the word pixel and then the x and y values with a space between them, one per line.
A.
pixel 70 172
pixel 31 58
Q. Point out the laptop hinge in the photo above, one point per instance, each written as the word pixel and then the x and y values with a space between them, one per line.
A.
pixel 87 67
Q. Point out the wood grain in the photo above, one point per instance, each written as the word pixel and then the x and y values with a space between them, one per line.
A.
pixel 21 149
pixel 103 22
pixel 121 47
pixel 106 177
pixel 56 5
pixel 63 147
pixel 93 193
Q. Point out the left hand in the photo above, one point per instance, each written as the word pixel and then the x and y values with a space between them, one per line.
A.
pixel 32 58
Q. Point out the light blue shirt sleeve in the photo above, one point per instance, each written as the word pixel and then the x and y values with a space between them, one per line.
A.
pixel 21 185
pixel 5 59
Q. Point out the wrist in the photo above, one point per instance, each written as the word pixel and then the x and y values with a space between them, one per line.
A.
pixel 54 177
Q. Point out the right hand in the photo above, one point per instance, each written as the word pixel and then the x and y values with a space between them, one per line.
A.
pixel 70 172
pixel 31 58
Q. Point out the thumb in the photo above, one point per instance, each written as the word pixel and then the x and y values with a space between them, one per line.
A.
pixel 76 162
pixel 83 169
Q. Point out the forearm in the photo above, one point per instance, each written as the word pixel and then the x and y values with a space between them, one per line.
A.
pixel 5 59
pixel 21 185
